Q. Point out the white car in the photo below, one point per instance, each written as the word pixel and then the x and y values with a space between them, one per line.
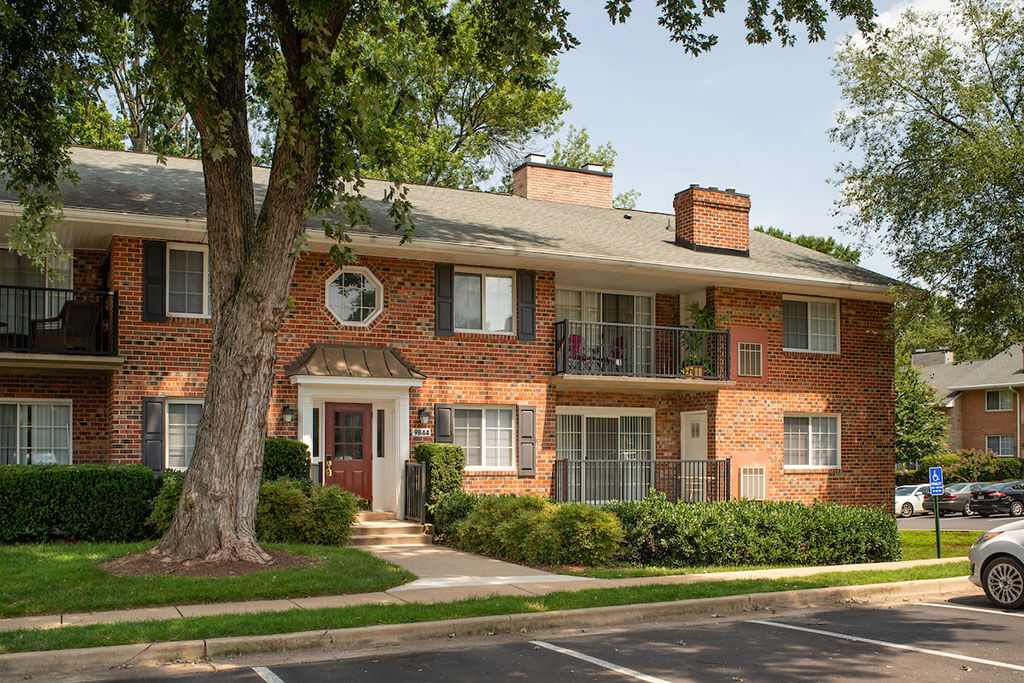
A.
pixel 910 499
pixel 997 564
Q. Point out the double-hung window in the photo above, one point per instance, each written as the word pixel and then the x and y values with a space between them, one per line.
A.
pixel 484 302
pixel 998 400
pixel 810 325
pixel 188 280
pixel 35 433
pixel 1000 444
pixel 485 435
pixel 810 441
pixel 182 420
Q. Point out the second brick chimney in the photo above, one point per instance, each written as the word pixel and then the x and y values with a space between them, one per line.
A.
pixel 709 219
pixel 537 179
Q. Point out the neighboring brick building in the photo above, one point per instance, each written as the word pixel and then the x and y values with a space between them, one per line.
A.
pixel 981 398
pixel 545 332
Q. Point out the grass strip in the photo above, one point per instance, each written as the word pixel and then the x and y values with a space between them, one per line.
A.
pixel 63 578
pixel 368 615
pixel 917 545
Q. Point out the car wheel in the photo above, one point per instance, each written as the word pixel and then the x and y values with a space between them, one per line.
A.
pixel 1016 508
pixel 1004 582
pixel 907 510
pixel 968 511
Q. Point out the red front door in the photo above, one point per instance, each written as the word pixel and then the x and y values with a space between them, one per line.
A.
pixel 348 455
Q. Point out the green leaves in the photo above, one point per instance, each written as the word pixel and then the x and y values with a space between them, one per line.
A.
pixel 920 425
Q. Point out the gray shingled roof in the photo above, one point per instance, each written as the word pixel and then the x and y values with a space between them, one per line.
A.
pixel 125 182
pixel 1003 369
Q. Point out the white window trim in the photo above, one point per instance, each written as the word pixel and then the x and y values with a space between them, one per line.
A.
pixel 46 401
pixel 817 299
pixel 483 272
pixel 839 443
pixel 1000 436
pixel 187 246
pixel 483 427
pixel 618 292
pixel 167 442
pixel 739 359
pixel 377 284
pixel 998 410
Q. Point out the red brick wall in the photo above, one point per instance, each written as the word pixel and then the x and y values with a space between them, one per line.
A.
pixel 88 271
pixel 976 423
pixel 855 383
pixel 711 218
pixel 568 186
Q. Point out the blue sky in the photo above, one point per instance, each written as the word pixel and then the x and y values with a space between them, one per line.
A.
pixel 754 118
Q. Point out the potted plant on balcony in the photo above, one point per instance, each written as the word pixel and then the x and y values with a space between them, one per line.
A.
pixel 698 351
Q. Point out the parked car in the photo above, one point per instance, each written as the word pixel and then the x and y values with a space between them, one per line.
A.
pixel 1007 496
pixel 955 498
pixel 909 499
pixel 997 564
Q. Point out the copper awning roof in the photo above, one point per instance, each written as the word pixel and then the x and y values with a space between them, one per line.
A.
pixel 342 360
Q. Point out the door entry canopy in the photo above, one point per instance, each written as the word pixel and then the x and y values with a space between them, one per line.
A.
pixel 344 360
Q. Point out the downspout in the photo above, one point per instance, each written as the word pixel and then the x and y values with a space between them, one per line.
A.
pixel 1016 446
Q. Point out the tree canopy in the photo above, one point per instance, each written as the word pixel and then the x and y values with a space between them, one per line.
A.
pixel 935 109
pixel 920 425
pixel 826 245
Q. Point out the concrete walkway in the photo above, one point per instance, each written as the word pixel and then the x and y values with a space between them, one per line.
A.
pixel 445 575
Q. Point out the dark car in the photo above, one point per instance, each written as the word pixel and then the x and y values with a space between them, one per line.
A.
pixel 955 498
pixel 1005 497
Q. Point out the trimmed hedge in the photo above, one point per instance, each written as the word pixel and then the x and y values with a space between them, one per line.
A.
pixel 445 465
pixel 744 532
pixel 966 466
pixel 452 507
pixel 74 502
pixel 285 459
pixel 288 511
pixel 535 530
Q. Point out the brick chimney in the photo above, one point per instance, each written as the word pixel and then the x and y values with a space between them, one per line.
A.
pixel 709 219
pixel 537 179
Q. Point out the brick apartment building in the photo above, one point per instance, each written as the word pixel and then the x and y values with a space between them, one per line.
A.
pixel 981 398
pixel 545 332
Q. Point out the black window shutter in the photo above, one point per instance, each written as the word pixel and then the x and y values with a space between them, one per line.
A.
pixel 154 276
pixel 527 441
pixel 527 305
pixel 153 433
pixel 444 300
pixel 444 418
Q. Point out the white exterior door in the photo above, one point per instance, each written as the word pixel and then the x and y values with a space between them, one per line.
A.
pixel 693 440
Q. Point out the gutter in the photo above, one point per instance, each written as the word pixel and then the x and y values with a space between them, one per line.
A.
pixel 1016 445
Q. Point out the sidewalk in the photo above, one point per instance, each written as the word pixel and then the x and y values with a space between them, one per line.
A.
pixel 446 575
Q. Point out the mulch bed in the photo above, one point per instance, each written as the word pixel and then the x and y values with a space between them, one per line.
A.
pixel 145 564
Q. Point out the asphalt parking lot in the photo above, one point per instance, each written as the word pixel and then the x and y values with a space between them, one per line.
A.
pixel 958 639
pixel 954 522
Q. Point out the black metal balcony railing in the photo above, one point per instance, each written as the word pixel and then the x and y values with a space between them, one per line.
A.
pixel 415 481
pixel 43 320
pixel 585 348
pixel 600 481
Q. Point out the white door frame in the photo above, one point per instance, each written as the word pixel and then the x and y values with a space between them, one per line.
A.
pixel 389 395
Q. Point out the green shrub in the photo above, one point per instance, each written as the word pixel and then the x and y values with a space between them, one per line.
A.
pixel 283 512
pixel 906 477
pixel 966 466
pixel 535 530
pixel 744 532
pixel 74 502
pixel 445 464
pixel 451 508
pixel 331 513
pixel 166 501
pixel 285 459
pixel 945 461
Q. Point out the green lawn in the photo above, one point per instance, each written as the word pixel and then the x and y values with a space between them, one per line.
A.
pixel 367 615
pixel 57 578
pixel 917 545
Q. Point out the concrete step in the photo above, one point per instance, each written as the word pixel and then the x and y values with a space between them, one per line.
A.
pixel 386 528
pixel 368 516
pixel 390 539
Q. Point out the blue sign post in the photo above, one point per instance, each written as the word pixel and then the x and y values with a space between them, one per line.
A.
pixel 935 489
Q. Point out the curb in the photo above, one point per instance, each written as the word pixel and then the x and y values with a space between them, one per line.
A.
pixel 56 662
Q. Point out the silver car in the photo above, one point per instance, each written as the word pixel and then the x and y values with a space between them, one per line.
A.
pixel 997 564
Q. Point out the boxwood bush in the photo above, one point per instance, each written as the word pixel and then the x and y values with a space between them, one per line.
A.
pixel 74 502
pixel 744 532
pixel 535 530
pixel 445 465
pixel 285 459
pixel 452 507
pixel 288 511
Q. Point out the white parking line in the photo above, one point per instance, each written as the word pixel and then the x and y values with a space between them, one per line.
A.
pixel 969 609
pixel 267 675
pixel 599 662
pixel 883 643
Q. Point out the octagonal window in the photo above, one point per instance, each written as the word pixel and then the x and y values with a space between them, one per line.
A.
pixel 354 296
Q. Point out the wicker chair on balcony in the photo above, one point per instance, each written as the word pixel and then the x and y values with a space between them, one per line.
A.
pixel 73 329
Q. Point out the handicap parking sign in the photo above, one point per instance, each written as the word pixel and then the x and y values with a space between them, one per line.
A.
pixel 935 481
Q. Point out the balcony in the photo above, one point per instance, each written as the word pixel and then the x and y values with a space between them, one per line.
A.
pixel 43 328
pixel 592 355
pixel 597 480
